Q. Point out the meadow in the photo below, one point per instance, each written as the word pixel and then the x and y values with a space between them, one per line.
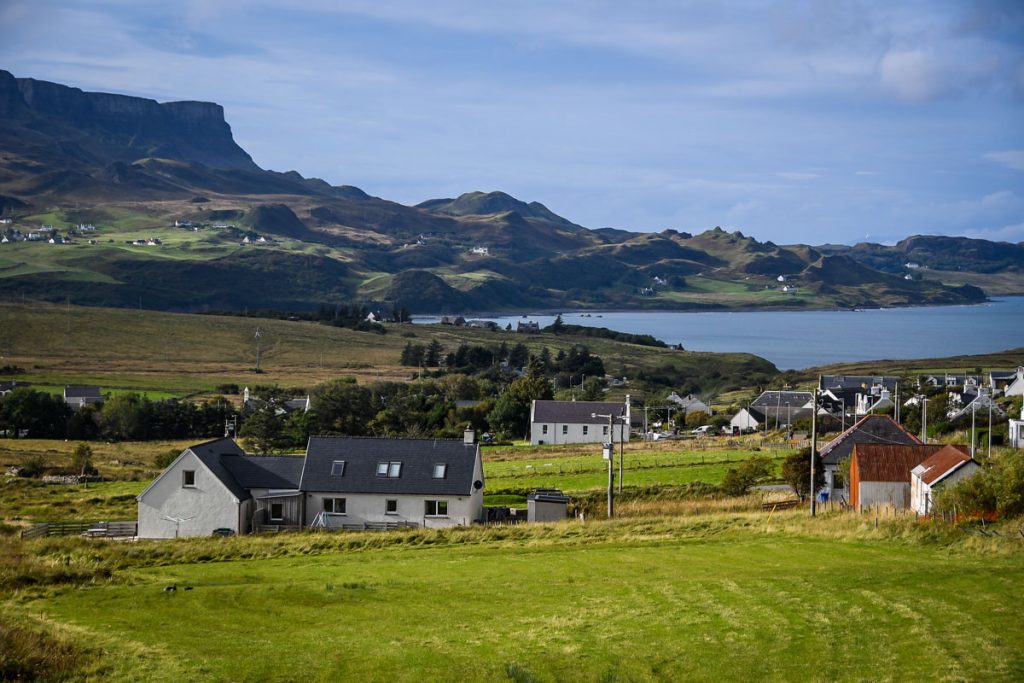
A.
pixel 708 597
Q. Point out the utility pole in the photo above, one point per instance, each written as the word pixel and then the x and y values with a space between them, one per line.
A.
pixel 622 418
pixel 974 410
pixel 609 455
pixel 990 429
pixel 814 442
pixel 924 419
pixel 257 350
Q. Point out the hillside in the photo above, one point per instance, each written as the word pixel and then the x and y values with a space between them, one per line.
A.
pixel 178 217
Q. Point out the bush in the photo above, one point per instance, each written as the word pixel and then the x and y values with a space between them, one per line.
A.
pixel 739 480
pixel 796 471
pixel 33 465
pixel 164 460
pixel 997 488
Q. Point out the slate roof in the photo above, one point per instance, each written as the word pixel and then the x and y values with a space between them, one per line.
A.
pixel 82 392
pixel 857 381
pixel 209 453
pixel 880 429
pixel 782 399
pixel 576 412
pixel 942 463
pixel 264 471
pixel 362 454
pixel 888 462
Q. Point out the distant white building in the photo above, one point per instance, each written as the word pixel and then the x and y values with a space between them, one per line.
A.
pixel 946 466
pixel 560 422
pixel 1017 431
pixel 480 251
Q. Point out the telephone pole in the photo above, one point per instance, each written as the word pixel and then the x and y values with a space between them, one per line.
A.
pixel 814 443
pixel 609 455
pixel 257 350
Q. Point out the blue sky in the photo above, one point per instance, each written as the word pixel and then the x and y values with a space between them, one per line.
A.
pixel 791 121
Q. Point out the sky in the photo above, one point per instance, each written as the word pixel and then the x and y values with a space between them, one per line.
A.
pixel 797 121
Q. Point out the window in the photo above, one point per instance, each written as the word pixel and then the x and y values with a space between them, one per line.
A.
pixel 604 430
pixel 276 512
pixel 440 470
pixel 391 506
pixel 586 429
pixel 188 478
pixel 392 470
pixel 436 508
pixel 335 505
pixel 337 468
pixel 565 429
pixel 544 429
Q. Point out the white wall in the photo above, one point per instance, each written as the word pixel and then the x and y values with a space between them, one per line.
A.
pixel 596 433
pixel 744 420
pixel 922 496
pixel 209 504
pixel 363 508
pixel 893 493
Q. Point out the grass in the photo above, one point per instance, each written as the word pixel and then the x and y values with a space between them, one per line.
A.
pixel 713 597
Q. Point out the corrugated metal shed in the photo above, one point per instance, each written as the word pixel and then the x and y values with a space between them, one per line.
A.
pixel 943 462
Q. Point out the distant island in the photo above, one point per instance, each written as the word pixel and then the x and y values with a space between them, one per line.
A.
pixel 122 201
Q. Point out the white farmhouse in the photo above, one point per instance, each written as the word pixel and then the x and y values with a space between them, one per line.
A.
pixel 558 422
pixel 341 482
pixel 1017 431
pixel 946 466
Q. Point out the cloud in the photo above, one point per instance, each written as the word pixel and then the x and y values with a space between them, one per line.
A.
pixel 914 75
pixel 1007 233
pixel 1012 158
pixel 795 175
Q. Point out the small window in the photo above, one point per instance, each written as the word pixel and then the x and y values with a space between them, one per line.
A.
pixel 604 430
pixel 440 470
pixel 382 469
pixel 188 478
pixel 436 508
pixel 276 512
pixel 391 506
pixel 565 429
pixel 394 469
pixel 335 505
pixel 586 429
pixel 544 429
pixel 337 468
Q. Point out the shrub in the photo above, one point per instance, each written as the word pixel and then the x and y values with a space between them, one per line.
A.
pixel 739 480
pixel 163 460
pixel 33 465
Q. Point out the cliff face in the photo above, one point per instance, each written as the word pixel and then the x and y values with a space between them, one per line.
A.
pixel 109 128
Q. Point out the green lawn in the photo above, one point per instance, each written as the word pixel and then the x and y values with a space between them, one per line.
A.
pixel 640 600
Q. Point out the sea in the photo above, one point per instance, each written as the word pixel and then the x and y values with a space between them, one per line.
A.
pixel 803 339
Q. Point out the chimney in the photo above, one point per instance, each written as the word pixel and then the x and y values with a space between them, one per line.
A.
pixel 469 437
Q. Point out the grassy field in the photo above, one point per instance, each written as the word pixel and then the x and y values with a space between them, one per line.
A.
pixel 716 597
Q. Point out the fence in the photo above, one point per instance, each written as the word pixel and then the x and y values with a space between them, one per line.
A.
pixel 90 529
pixel 366 526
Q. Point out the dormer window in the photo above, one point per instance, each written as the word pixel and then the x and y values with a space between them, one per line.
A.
pixel 338 468
pixel 391 470
pixel 440 470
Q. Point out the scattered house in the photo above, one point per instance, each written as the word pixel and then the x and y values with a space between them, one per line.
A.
pixel 951 380
pixel 1013 385
pixel 911 265
pixel 6 221
pixel 871 429
pixel 783 408
pixel 944 467
pixel 529 327
pixel 1017 431
pixel 153 242
pixel 456 320
pixel 480 251
pixel 560 422
pixel 747 419
pixel 781 278
pixel 86 227
pixel 285 407
pixel 4 239
pixel 8 386
pixel 978 401
pixel 341 482
pixel 57 239
pixel 482 324
pixel 908 276
pixel 547 505
pixel 76 397
pixel 183 224
pixel 689 404
pixel 880 473
pixel 863 394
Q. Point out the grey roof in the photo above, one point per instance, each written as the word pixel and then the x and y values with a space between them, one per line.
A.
pixel 265 471
pixel 82 392
pixel 576 412
pixel 1003 375
pixel 210 452
pixel 857 381
pixel 782 399
pixel 870 429
pixel 362 454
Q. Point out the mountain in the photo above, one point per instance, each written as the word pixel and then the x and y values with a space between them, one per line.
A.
pixel 173 198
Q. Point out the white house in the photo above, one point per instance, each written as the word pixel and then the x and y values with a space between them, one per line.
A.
pixel 76 397
pixel 1015 386
pixel 341 482
pixel 880 472
pixel 1017 431
pixel 689 404
pixel 557 422
pixel 746 419
pixel 946 466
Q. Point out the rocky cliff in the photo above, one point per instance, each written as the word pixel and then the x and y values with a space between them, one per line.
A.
pixel 96 129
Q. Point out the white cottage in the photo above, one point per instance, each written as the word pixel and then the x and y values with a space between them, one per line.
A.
pixel 341 482
pixel 946 466
pixel 558 422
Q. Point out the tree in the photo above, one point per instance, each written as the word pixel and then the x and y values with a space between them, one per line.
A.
pixel 696 419
pixel 432 357
pixel 125 417
pixel 593 389
pixel 344 407
pixel 511 412
pixel 41 415
pixel 81 459
pixel 796 471
pixel 263 428
pixel 739 480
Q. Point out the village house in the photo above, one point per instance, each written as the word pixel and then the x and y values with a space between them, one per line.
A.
pixel 978 402
pixel 287 406
pixel 689 404
pixel 560 422
pixel 529 327
pixel 1017 431
pixel 880 472
pixel 8 386
pixel 859 394
pixel 871 429
pixel 943 468
pixel 76 397
pixel 456 320
pixel 1009 382
pixel 341 482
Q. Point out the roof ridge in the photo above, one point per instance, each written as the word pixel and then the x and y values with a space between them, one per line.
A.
pixel 388 438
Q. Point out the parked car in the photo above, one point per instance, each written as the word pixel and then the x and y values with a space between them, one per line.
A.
pixel 703 430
